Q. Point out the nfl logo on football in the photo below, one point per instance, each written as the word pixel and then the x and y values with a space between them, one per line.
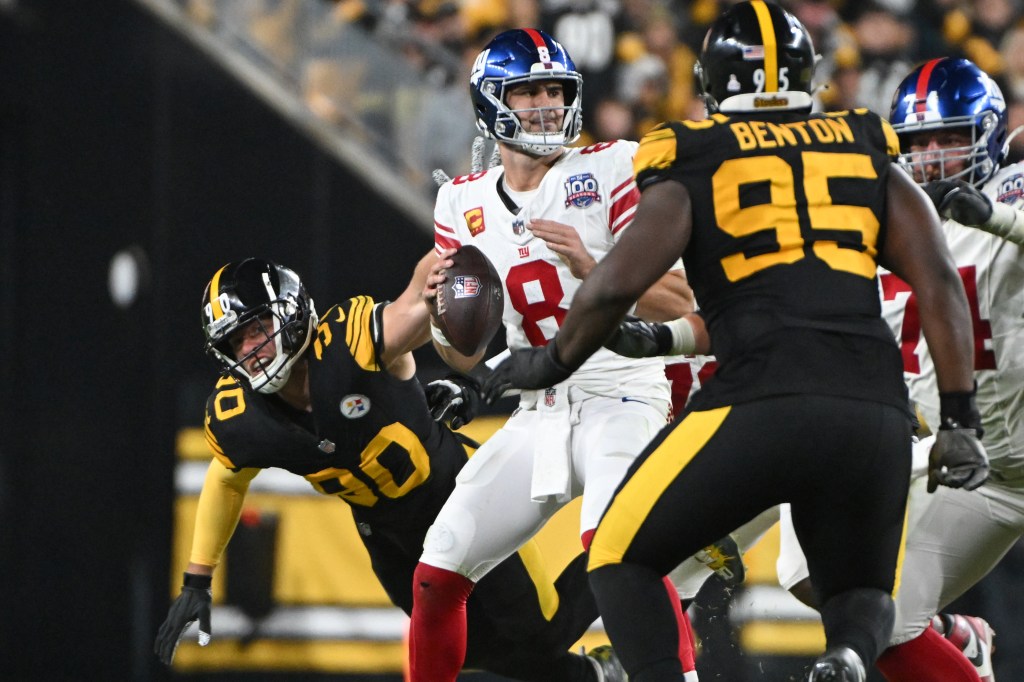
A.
pixel 466 286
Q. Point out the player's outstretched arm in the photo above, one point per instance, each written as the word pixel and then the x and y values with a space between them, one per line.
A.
pixel 220 504
pixel 406 322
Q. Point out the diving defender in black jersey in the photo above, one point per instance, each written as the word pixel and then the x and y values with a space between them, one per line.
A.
pixel 334 399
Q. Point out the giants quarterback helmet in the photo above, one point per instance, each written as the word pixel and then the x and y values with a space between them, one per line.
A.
pixel 520 56
pixel 950 94
pixel 756 57
pixel 272 296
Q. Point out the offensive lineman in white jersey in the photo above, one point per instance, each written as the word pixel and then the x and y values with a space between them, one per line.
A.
pixel 543 218
pixel 951 120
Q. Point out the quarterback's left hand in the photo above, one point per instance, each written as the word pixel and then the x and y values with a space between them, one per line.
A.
pixel 527 368
pixel 959 201
pixel 454 399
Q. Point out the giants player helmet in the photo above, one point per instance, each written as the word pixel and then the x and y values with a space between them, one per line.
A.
pixel 756 57
pixel 271 294
pixel 948 94
pixel 519 56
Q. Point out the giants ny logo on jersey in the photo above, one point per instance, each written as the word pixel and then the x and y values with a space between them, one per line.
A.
pixel 466 286
pixel 475 220
pixel 581 190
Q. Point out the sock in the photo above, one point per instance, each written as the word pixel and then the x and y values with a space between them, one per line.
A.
pixel 686 643
pixel 437 632
pixel 929 657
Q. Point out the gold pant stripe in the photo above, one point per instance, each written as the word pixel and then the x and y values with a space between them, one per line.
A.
pixel 638 496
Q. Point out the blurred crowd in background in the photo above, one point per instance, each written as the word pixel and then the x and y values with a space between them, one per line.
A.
pixel 395 72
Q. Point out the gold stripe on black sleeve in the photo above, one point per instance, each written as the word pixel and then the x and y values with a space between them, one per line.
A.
pixel 892 142
pixel 359 334
pixel 657 150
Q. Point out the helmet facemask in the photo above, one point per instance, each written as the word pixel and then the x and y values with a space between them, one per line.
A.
pixel 508 123
pixel 286 320
pixel 977 163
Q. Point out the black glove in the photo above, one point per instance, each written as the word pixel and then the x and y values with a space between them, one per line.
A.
pixel 527 368
pixel 958 459
pixel 454 400
pixel 960 201
pixel 635 338
pixel 192 604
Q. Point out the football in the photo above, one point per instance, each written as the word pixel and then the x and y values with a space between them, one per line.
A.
pixel 470 301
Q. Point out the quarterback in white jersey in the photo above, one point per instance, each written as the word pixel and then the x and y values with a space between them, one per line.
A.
pixel 543 218
pixel 591 189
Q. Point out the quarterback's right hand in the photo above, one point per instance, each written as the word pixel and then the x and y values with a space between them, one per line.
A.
pixel 192 604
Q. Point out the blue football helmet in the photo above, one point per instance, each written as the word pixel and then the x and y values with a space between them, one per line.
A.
pixel 946 94
pixel 520 56
pixel 272 295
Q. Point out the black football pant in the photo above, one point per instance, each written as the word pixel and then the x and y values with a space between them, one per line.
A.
pixel 843 465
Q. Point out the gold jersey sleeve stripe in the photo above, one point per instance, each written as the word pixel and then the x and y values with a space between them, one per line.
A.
pixel 771 55
pixel 657 150
pixel 358 333
pixel 892 142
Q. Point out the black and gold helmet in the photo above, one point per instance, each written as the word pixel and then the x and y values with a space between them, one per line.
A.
pixel 271 295
pixel 756 57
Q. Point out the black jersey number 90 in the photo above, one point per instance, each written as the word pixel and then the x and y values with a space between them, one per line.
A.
pixel 781 214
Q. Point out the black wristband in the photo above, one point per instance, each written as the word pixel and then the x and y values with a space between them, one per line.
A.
pixel 663 337
pixel 957 409
pixel 199 582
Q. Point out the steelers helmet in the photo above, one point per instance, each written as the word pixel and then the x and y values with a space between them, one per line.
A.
pixel 944 94
pixel 518 56
pixel 757 57
pixel 273 297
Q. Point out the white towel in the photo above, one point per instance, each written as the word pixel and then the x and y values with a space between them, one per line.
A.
pixel 552 457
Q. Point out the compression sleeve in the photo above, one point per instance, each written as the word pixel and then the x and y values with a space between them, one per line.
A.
pixel 220 505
